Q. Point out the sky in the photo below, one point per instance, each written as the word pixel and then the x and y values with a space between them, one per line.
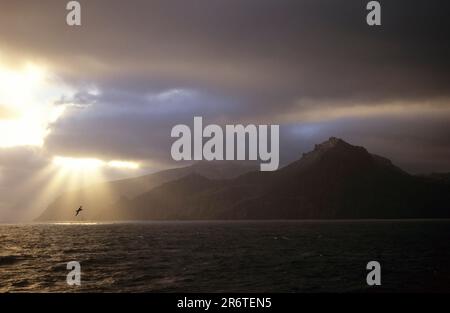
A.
pixel 98 101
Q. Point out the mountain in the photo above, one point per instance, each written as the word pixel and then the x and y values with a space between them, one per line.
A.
pixel 442 177
pixel 100 199
pixel 336 180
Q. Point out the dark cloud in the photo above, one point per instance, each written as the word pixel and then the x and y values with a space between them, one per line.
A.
pixel 247 61
pixel 272 49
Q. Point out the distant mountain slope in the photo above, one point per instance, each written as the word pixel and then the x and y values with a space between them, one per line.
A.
pixel 99 200
pixel 441 177
pixel 335 180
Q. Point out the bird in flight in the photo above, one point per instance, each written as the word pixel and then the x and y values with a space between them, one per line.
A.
pixel 79 210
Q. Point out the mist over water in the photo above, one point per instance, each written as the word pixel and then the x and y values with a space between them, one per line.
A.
pixel 250 256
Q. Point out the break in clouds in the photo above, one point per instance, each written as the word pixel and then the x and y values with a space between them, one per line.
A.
pixel 133 71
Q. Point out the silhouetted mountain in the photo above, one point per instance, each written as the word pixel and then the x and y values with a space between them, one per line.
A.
pixel 100 199
pixel 335 180
pixel 440 177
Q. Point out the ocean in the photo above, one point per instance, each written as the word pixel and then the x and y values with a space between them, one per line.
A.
pixel 239 256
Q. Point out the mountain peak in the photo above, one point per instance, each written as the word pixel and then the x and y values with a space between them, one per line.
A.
pixel 334 149
pixel 332 142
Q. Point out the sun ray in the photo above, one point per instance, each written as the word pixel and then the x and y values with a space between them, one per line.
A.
pixel 75 181
pixel 28 106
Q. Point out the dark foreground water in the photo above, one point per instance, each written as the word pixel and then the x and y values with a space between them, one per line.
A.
pixel 227 256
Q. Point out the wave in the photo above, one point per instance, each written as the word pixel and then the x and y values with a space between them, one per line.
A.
pixel 11 259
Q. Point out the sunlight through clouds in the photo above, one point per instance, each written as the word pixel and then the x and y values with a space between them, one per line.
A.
pixel 32 99
pixel 27 105
pixel 83 164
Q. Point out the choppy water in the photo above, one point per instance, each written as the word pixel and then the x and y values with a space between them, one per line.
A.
pixel 227 256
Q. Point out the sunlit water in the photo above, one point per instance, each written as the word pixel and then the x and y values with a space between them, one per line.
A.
pixel 226 256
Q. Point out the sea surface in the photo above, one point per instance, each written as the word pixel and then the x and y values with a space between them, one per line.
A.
pixel 251 256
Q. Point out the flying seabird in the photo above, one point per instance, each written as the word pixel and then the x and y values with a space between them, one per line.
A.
pixel 79 210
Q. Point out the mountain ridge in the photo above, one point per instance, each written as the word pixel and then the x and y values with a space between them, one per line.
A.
pixel 102 196
pixel 335 180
